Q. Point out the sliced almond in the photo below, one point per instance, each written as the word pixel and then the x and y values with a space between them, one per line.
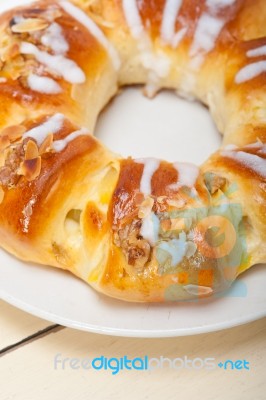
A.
pixel 47 144
pixel 30 25
pixel 2 195
pixel 31 168
pixel 128 218
pixel 32 150
pixel 161 199
pixel 145 207
pixel 173 224
pixel 52 13
pixel 191 249
pixel 176 203
pixel 10 52
pixel 178 224
pixel 14 50
pixel 214 182
pixel 4 142
pixel 14 132
pixel 218 183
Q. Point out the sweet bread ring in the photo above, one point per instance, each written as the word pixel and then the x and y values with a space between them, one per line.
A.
pixel 138 230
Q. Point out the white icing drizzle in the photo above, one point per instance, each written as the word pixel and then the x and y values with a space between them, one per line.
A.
pixel 43 84
pixel 151 88
pixel 250 71
pixel 262 151
pixel 261 147
pixel 256 145
pixel 62 66
pixel 187 175
pixel 157 64
pixel 171 10
pixel 207 31
pixel 196 290
pixel 150 166
pixel 251 161
pixel 230 147
pixel 133 18
pixel 60 145
pixel 54 39
pixel 178 37
pixel 86 21
pixel 150 228
pixel 52 125
pixel 217 4
pixel 50 12
pixel 177 248
pixel 258 52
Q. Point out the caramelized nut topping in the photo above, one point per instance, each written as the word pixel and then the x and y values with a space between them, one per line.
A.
pixel 8 177
pixel 136 250
pixel 138 254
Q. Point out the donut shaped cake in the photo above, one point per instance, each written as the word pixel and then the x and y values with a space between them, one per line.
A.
pixel 139 230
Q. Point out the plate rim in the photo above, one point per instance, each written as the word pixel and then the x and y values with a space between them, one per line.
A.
pixel 130 333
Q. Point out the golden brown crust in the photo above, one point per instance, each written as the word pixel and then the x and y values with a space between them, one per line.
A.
pixel 69 202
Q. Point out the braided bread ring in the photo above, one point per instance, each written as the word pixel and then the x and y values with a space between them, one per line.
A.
pixel 138 230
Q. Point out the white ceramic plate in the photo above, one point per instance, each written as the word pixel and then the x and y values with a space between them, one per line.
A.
pixel 168 128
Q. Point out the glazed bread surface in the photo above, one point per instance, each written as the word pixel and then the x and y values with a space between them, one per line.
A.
pixel 135 229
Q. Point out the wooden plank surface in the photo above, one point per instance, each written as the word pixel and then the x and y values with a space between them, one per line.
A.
pixel 16 325
pixel 29 373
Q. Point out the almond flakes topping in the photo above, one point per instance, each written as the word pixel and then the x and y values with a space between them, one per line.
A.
pixel 32 150
pixel 30 25
pixel 46 144
pixel 145 207
pixel 176 203
pixel 10 52
pixel 13 132
pixel 30 168
pixel 173 224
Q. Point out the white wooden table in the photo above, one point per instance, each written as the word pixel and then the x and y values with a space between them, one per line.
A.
pixel 28 347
